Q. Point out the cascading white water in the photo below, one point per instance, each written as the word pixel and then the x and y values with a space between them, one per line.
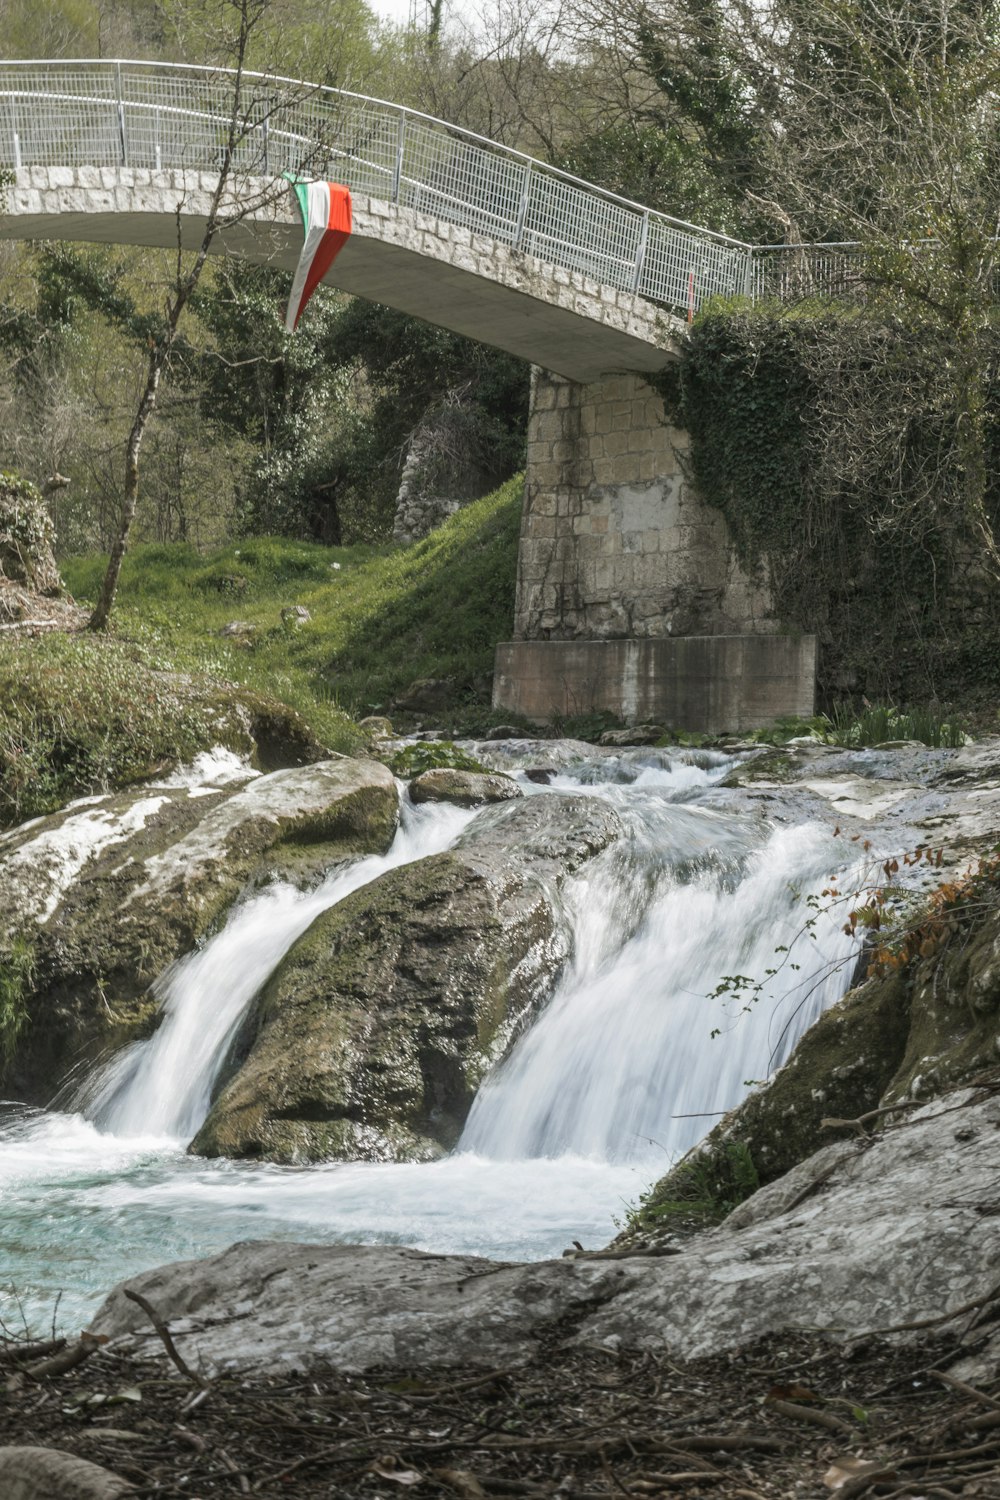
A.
pixel 559 1138
pixel 163 1087
pixel 633 1052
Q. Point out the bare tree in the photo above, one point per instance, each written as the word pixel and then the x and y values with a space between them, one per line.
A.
pixel 236 196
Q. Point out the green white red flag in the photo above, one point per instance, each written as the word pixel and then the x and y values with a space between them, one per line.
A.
pixel 326 218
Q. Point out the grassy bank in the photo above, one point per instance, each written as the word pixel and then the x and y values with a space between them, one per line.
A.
pixel 82 713
pixel 379 617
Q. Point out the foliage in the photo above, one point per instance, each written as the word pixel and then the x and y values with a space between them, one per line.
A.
pixel 380 618
pixel 17 967
pixel 871 724
pixel 432 755
pixel 948 910
pixel 878 722
pixel 705 1186
pixel 26 530
pixel 829 439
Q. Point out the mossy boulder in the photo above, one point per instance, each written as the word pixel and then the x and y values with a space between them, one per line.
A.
pixel 105 894
pixel 464 788
pixel 26 537
pixel 372 1036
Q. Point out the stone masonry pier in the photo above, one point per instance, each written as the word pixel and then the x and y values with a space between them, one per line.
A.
pixel 629 597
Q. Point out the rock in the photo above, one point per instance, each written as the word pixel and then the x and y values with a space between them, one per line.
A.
pixel 372 1036
pixel 377 727
pixel 638 734
pixel 295 614
pixel 238 629
pixel 27 537
pixel 871 1234
pixel 505 732
pixel 427 695
pixel 463 788
pixel 48 1474
pixel 540 775
pixel 102 896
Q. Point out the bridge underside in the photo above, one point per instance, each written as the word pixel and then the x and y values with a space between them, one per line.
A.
pixel 561 320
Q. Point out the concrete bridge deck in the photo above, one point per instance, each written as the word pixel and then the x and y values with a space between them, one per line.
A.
pixel 444 273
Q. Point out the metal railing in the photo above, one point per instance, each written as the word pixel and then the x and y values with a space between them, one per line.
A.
pixel 156 115
pixel 161 115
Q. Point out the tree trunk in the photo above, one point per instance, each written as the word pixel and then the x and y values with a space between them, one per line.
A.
pixel 147 405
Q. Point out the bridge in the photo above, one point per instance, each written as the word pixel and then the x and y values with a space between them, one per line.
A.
pixel 629 598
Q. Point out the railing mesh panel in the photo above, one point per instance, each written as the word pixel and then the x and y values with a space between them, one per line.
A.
pixel 110 114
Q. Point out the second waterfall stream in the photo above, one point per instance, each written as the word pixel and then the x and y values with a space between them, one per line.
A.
pixel 627 1066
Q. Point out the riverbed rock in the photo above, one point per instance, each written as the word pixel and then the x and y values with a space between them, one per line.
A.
pixel 102 896
pixel 48 1474
pixel 372 1036
pixel 869 1234
pixel 463 788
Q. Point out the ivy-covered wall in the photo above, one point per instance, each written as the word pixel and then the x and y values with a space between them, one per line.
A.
pixel 829 438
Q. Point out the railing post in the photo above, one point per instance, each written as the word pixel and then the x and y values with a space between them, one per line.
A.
pixel 522 207
pixel 121 114
pixel 264 132
pixel 157 154
pixel 748 274
pixel 640 254
pixel 397 171
pixel 17 151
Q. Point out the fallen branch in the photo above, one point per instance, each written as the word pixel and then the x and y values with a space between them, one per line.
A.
pixel 806 1414
pixel 966 1390
pixel 167 1341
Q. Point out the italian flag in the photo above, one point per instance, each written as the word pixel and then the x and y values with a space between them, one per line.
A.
pixel 326 218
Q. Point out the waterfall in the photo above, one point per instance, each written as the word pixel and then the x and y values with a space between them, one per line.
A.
pixel 632 1055
pixel 163 1087
pixel 588 1108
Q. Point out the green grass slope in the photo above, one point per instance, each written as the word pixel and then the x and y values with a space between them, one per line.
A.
pixel 380 617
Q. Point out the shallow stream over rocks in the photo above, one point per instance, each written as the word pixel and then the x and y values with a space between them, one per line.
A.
pixel 627 1066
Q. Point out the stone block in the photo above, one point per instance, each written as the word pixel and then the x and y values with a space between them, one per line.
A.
pixel 714 684
pixel 548 427
pixel 543 396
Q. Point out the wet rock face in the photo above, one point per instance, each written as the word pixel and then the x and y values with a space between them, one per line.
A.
pixel 372 1036
pixel 867 1234
pixel 102 896
pixel 463 788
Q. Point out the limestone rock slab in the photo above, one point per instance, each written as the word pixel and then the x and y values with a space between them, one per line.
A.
pixel 890 1234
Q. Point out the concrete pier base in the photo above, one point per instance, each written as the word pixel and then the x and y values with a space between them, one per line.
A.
pixel 713 684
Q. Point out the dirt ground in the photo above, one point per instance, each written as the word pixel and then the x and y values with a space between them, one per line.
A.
pixel 796 1416
pixel 23 612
